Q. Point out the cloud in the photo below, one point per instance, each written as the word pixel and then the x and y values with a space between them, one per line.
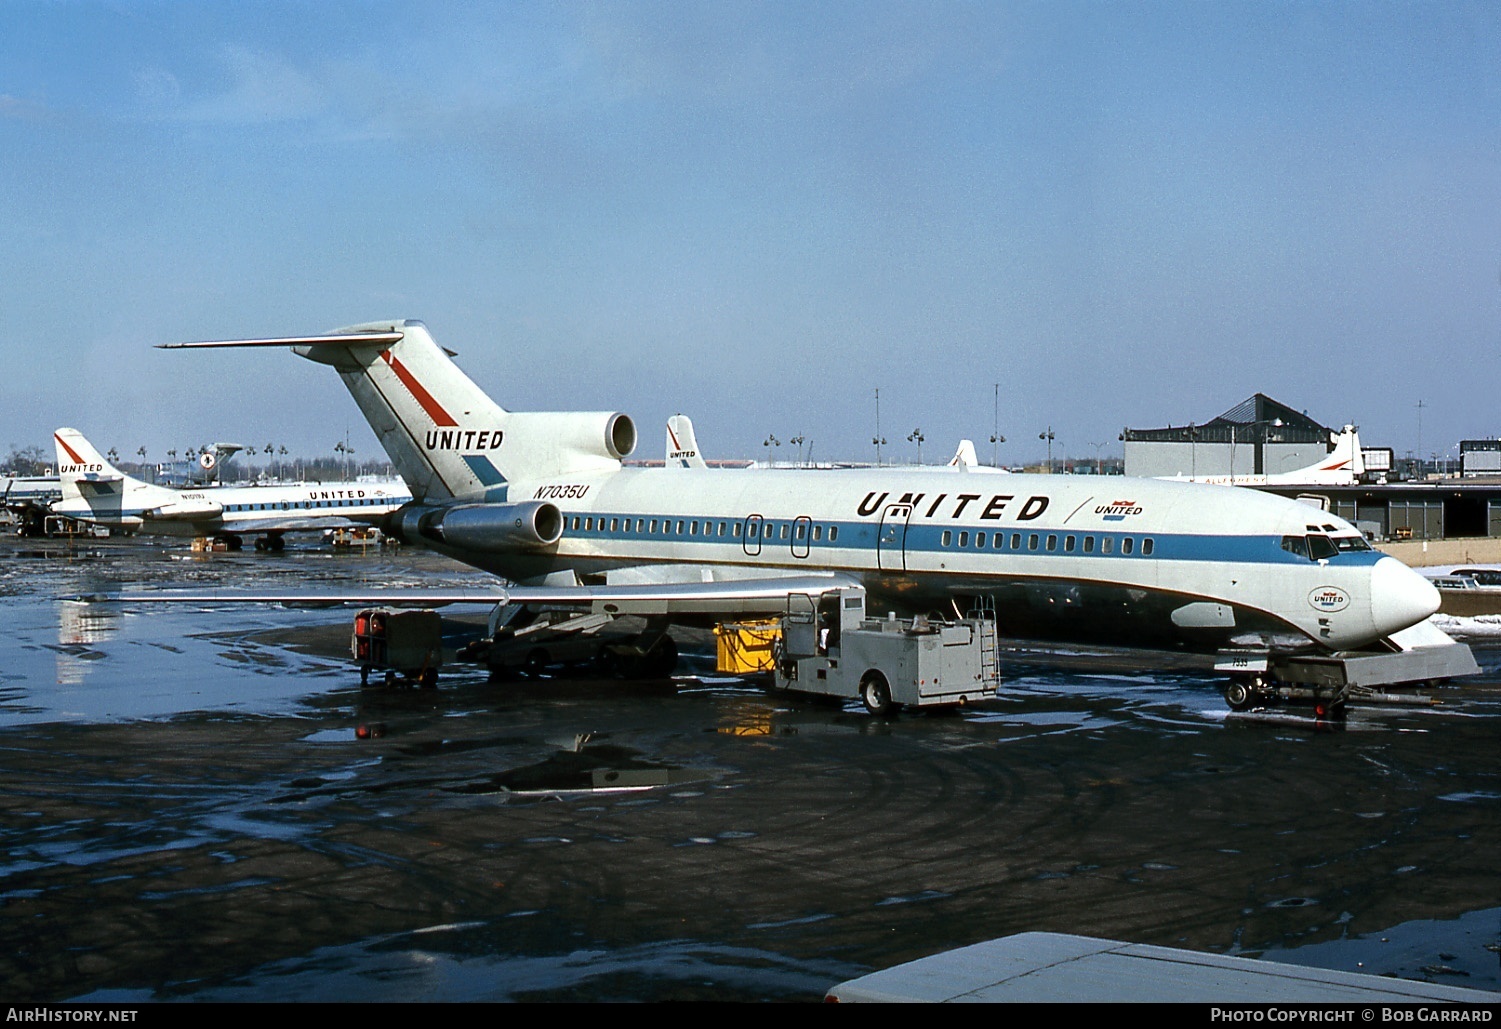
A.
pixel 262 88
pixel 14 108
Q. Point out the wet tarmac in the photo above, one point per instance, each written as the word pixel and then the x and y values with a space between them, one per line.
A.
pixel 202 803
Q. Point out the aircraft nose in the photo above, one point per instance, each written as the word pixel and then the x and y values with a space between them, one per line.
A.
pixel 1399 596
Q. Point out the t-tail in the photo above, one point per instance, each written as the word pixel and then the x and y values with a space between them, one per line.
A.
pixel 446 437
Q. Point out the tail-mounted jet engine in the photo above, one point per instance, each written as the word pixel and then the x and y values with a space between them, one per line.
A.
pixel 491 528
pixel 558 442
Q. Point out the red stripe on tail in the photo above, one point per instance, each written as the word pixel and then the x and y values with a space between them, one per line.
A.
pixel 431 406
pixel 71 453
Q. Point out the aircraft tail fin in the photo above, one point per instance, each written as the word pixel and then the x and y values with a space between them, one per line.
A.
pixel 682 444
pixel 1346 459
pixel 1343 467
pixel 965 456
pixel 445 436
pixel 93 488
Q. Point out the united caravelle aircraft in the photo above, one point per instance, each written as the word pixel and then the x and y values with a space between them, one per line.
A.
pixel 95 491
pixel 544 500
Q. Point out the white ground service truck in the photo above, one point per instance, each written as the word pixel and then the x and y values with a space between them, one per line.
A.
pixel 830 647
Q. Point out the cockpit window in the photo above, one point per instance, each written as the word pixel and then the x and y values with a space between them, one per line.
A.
pixel 1320 548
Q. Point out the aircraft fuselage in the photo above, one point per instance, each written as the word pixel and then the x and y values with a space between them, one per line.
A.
pixel 1102 560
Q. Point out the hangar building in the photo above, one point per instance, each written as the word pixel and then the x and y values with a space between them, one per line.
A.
pixel 1258 436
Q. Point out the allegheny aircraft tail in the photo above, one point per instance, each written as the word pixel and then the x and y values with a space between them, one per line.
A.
pixel 1347 461
pixel 446 437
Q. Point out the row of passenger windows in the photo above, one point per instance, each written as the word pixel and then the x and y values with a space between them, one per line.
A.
pixel 1047 542
pixel 800 530
pixel 305 504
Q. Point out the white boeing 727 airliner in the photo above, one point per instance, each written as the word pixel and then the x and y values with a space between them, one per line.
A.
pixel 543 500
pixel 95 491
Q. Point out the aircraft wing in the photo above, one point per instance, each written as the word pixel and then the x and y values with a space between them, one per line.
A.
pixel 741 597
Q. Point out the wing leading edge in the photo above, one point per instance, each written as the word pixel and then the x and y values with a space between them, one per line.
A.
pixel 739 597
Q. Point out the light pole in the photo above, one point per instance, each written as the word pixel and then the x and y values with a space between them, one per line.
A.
pixel 1421 405
pixel 1099 467
pixel 771 441
pixel 1047 434
pixel 344 448
pixel 995 430
pixel 798 439
pixel 916 436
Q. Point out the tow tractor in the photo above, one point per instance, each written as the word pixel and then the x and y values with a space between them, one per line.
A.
pixel 828 646
pixel 1418 656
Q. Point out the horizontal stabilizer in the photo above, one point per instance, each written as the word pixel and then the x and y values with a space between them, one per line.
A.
pixel 349 339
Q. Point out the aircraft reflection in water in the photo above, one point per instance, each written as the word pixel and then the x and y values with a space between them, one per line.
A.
pixel 544 500
pixel 80 628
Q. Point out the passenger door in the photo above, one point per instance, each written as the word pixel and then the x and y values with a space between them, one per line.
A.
pixel 891 539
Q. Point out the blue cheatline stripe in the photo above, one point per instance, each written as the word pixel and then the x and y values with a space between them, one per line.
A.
pixel 484 470
pixel 272 506
pixel 279 506
pixel 860 536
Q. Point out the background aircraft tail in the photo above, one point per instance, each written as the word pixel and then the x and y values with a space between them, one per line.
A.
pixel 1346 460
pixel 1343 467
pixel 682 444
pixel 443 434
pixel 965 456
pixel 96 490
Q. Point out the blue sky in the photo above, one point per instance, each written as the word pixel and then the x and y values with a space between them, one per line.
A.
pixel 758 214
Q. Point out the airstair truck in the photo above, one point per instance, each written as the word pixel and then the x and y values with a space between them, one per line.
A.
pixel 829 647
